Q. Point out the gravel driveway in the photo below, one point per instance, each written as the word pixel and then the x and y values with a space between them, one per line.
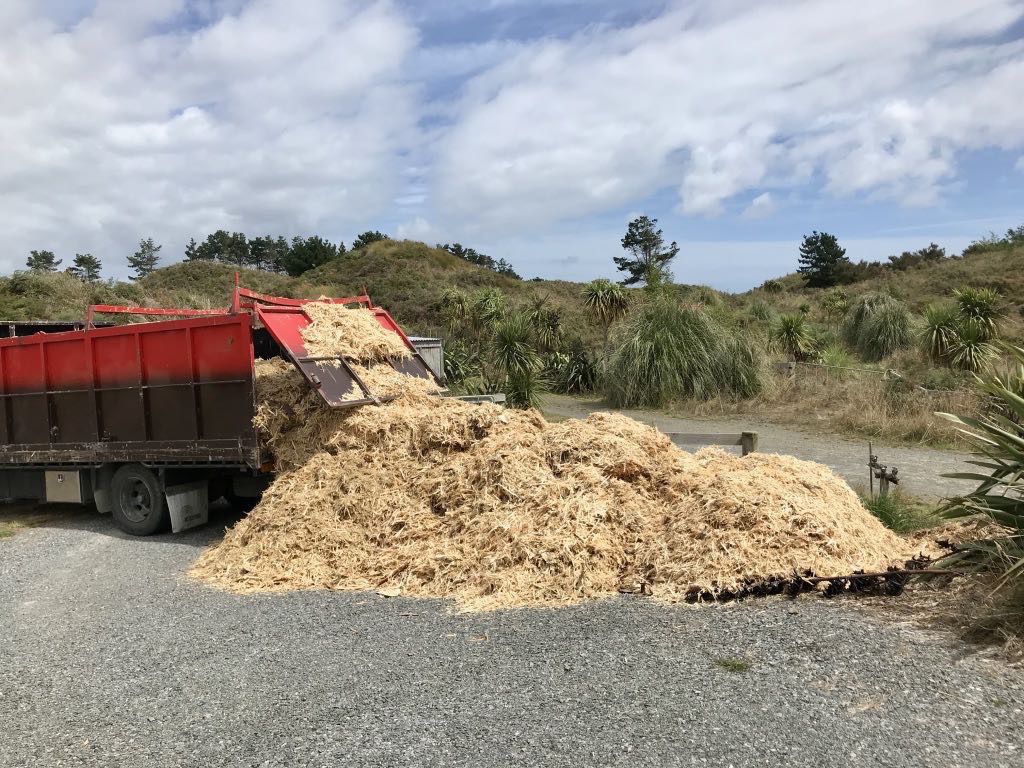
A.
pixel 110 656
pixel 921 469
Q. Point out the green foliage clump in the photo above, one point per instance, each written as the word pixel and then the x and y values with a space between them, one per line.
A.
pixel 791 336
pixel 980 307
pixel 772 286
pixel 572 370
pixel 58 295
pixel 998 440
pixel 940 331
pixel 971 350
pixel 878 325
pixel 822 260
pixel 667 351
pixel 500 349
pixel 649 258
pixel 836 356
pixel 761 311
pixel 899 513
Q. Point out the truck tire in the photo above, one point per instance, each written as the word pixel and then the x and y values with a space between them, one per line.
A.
pixel 139 504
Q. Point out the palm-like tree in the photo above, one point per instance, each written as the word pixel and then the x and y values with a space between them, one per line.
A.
pixel 981 307
pixel 940 331
pixel 791 336
pixel 607 302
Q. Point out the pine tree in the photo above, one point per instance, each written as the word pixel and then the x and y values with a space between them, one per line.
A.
pixel 192 250
pixel 42 261
pixel 307 253
pixel 370 236
pixel 86 267
pixel 650 258
pixel 822 260
pixel 144 260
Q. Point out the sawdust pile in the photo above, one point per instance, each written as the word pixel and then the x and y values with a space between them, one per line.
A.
pixel 355 334
pixel 428 496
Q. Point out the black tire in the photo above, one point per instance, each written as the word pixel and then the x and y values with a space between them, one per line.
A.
pixel 140 507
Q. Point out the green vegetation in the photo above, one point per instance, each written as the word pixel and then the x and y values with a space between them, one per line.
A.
pixel 790 335
pixel 733 664
pixel 145 259
pixel 899 512
pixel 997 437
pixel 931 317
pixel 667 351
pixel 877 325
pixel 649 258
pixel 42 261
pixel 606 302
pixel 822 260
pixel 86 267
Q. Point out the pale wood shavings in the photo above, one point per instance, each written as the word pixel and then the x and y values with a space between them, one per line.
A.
pixel 492 508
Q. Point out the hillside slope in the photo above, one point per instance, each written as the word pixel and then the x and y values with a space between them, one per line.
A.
pixel 403 276
pixel 999 269
pixel 408 278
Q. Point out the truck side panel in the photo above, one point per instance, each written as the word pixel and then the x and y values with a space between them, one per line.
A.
pixel 178 391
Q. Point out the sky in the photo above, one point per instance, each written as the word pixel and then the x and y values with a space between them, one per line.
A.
pixel 531 130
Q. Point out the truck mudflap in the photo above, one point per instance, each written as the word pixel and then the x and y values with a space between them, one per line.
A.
pixel 188 505
pixel 332 377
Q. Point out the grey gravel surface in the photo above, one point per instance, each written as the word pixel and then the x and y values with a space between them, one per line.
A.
pixel 110 656
pixel 921 470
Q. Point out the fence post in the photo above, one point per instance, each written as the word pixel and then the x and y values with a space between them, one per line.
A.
pixel 748 443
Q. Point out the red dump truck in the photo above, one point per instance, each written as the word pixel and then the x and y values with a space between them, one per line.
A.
pixel 151 420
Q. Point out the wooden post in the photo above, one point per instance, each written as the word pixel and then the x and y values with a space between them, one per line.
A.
pixel 748 442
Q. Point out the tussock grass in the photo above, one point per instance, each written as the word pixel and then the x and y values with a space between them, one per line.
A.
pixel 667 351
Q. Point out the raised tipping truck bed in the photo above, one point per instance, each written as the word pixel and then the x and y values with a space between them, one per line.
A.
pixel 152 419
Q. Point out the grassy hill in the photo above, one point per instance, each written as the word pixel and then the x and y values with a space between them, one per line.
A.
pixel 1001 269
pixel 408 278
pixel 404 276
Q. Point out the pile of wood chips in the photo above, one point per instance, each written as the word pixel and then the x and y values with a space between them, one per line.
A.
pixel 433 497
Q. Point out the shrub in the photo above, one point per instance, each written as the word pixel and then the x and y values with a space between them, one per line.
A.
pixel 980 306
pixel 878 325
pixel 761 311
pixel 998 442
pixel 791 336
pixel 666 352
pixel 888 330
pixel 571 370
pixel 971 350
pixel 898 512
pixel 940 331
pixel 772 286
pixel 836 356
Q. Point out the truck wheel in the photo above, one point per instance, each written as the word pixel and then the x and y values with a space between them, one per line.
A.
pixel 139 505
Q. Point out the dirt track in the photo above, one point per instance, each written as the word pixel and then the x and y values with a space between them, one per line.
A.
pixel 920 469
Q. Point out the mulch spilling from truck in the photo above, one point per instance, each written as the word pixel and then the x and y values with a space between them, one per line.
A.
pixel 429 496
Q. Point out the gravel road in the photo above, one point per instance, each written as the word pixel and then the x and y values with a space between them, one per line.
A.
pixel 921 469
pixel 109 655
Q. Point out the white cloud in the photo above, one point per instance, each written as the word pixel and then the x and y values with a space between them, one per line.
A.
pixel 874 97
pixel 417 229
pixel 275 116
pixel 760 207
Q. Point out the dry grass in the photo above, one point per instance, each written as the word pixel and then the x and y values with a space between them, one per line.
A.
pixel 863 405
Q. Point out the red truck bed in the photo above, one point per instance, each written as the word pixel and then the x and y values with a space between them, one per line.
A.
pixel 176 391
